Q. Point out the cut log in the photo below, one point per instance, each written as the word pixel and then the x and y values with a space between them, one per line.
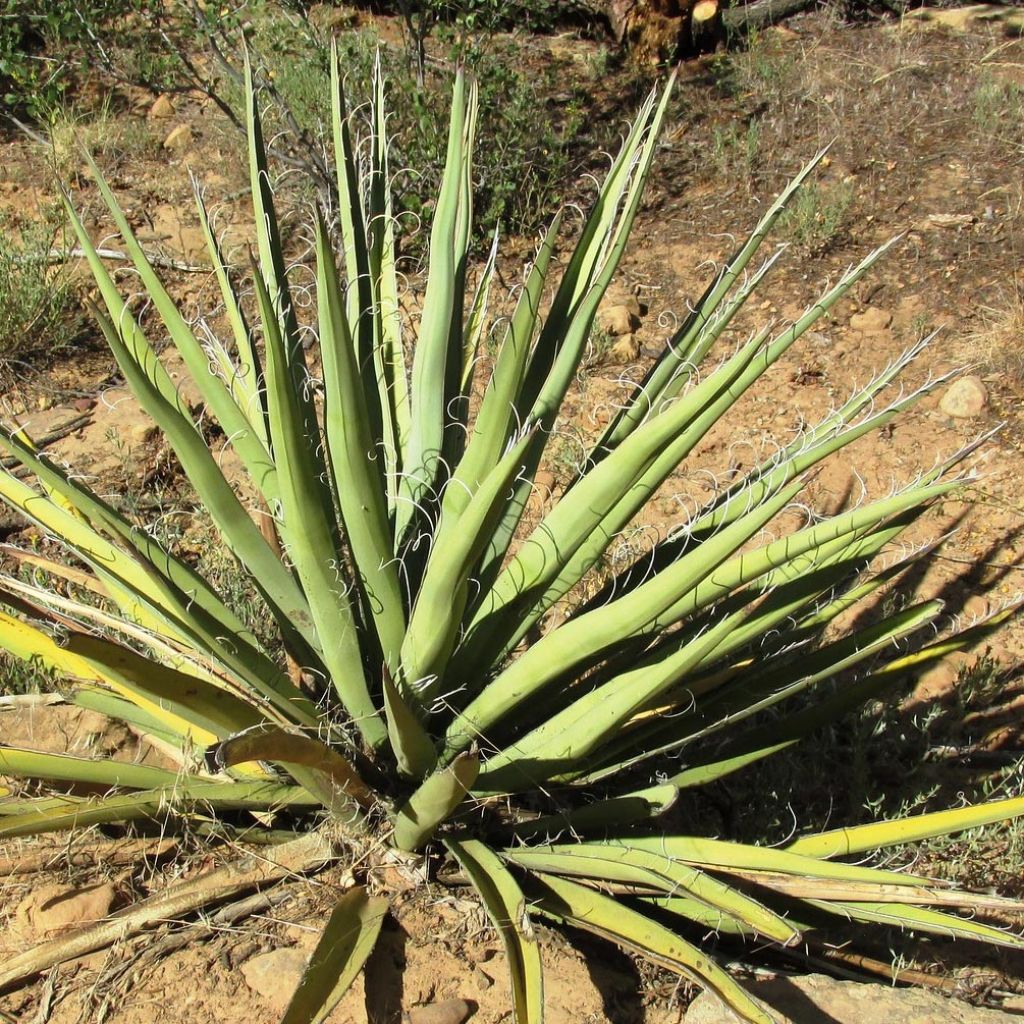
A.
pixel 762 14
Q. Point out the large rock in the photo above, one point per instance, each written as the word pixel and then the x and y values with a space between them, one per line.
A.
pixel 275 975
pixel 54 909
pixel 965 398
pixel 815 998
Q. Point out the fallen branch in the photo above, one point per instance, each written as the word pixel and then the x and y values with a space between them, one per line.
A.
pixel 301 856
pixel 18 701
pixel 761 14
pixel 84 855
pixel 57 434
pixel 52 256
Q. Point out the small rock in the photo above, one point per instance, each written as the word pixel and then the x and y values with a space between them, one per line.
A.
pixel 949 220
pixel 162 108
pixel 179 138
pixel 816 998
pixel 448 1011
pixel 617 320
pixel 625 350
pixel 965 398
pixel 275 975
pixel 84 404
pixel 871 320
pixel 53 908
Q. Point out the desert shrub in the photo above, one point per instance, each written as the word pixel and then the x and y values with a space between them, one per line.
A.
pixel 452 682
pixel 40 313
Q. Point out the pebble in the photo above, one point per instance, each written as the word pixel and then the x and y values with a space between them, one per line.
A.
pixel 448 1011
pixel 965 398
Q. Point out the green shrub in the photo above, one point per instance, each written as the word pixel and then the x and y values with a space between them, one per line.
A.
pixel 453 683
pixel 40 313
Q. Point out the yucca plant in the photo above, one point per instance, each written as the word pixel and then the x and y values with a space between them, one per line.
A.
pixel 451 682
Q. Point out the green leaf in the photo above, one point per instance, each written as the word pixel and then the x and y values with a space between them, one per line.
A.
pixel 309 529
pixel 415 753
pixel 507 908
pixel 609 918
pixel 345 944
pixel 23 763
pixel 183 797
pixel 843 842
pixel 334 780
pixel 419 817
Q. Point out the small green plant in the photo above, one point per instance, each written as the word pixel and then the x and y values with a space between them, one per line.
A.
pixel 735 151
pixel 999 111
pixel 817 215
pixel 447 681
pixel 40 313
pixel 760 68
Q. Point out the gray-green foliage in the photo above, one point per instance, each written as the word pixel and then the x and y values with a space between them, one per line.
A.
pixel 451 679
pixel 40 313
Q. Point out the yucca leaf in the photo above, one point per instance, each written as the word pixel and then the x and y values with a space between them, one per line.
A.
pixel 434 359
pixel 345 944
pixel 330 775
pixel 920 919
pixel 619 862
pixel 753 695
pixel 776 736
pixel 183 797
pixel 609 918
pixel 358 311
pixel 159 590
pixel 608 815
pixel 832 889
pixel 34 645
pixel 476 321
pixel 507 908
pixel 415 753
pixel 438 796
pixel 243 375
pixel 146 724
pixel 240 533
pixel 23 763
pixel 353 460
pixel 215 392
pixel 680 349
pixel 437 614
pixel 563 340
pixel 846 841
pixel 309 530
pixel 579 640
pixel 213 710
pixel 721 856
pixel 490 431
pixel 269 244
